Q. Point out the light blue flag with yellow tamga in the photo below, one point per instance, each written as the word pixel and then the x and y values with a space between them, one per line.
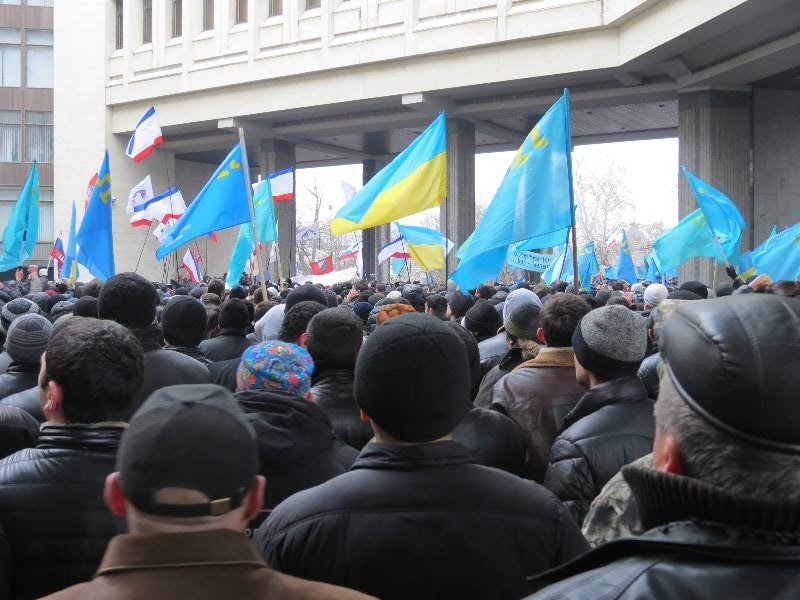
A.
pixel 95 237
pixel 22 229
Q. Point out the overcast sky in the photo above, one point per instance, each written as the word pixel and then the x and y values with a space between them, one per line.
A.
pixel 650 174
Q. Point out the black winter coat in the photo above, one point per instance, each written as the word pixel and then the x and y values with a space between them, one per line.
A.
pixel 421 522
pixel 493 440
pixel 227 345
pixel 28 400
pixel 296 446
pixel 18 377
pixel 648 373
pixel 333 393
pixel 612 425
pixel 55 526
pixel 704 542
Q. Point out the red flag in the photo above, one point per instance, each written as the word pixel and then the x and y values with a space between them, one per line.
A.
pixel 323 266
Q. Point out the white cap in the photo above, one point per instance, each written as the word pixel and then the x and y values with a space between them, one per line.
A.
pixel 655 293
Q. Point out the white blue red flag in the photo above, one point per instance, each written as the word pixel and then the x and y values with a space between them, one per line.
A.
pixel 146 136
pixel 352 253
pixel 282 183
pixel 395 249
pixel 191 262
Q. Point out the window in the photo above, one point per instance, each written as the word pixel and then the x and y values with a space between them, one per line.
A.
pixel 38 136
pixel 10 57
pixel 312 4
pixel 275 8
pixel 241 11
pixel 118 26
pixel 177 18
pixel 16 2
pixel 147 21
pixel 36 2
pixel 38 58
pixel 208 15
pixel 10 135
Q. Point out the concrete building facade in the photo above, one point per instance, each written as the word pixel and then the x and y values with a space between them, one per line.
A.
pixel 326 82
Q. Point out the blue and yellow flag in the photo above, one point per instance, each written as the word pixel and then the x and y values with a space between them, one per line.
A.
pixel 267 229
pixel 779 256
pixel 691 238
pixel 414 181
pixel 624 268
pixel 22 229
pixel 95 238
pixel 533 202
pixel 70 268
pixel 222 203
pixel 722 216
pixel 562 267
pixel 426 246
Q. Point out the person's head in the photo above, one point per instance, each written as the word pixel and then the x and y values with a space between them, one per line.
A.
pixel 183 322
pixel 305 292
pixel 723 289
pixel 482 320
pixel 91 372
pixel 522 329
pixel 484 292
pixel 436 306
pixel 609 343
pixel 92 288
pixel 198 291
pixel 212 321
pixel 33 270
pixel 234 316
pixel 682 295
pixel 216 286
pixel 261 309
pixel 695 286
pixel 654 294
pixel 334 338
pixel 210 299
pixel 129 299
pixel 275 366
pixel 238 291
pixel 13 310
pixel 86 306
pixel 559 318
pixel 425 361
pixel 27 338
pixel 416 297
pixel 790 289
pixel 458 304
pixel 390 311
pixel 727 408
pixel 295 322
pixel 362 310
pixel 187 462
pixel 519 297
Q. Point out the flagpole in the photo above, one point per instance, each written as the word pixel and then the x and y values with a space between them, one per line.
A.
pixel 246 167
pixel 576 280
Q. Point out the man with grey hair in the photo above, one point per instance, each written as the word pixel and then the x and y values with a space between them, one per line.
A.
pixel 721 504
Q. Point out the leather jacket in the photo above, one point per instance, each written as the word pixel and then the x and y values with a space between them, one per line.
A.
pixel 333 393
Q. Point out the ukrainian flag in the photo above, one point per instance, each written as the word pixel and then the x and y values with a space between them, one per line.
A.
pixel 414 181
pixel 426 246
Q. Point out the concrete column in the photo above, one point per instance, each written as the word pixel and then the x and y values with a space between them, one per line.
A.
pixel 275 155
pixel 457 213
pixel 374 238
pixel 716 144
pixel 776 146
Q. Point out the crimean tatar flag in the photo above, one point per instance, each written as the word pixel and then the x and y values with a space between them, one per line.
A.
pixel 95 236
pixel 146 136
pixel 414 181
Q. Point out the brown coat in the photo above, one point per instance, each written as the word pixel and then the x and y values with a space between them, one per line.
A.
pixel 206 565
pixel 537 395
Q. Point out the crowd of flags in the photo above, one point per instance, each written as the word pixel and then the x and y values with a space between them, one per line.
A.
pixel 533 209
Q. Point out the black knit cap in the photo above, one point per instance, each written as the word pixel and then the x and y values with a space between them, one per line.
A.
pixel 731 361
pixel 193 437
pixel 129 299
pixel 233 314
pixel 425 361
pixel 483 319
pixel 305 292
pixel 183 321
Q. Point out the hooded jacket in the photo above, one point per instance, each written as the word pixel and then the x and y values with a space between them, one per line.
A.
pixel 612 425
pixel 55 526
pixel 296 446
pixel 421 522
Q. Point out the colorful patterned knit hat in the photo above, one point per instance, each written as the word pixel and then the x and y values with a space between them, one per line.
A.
pixel 274 365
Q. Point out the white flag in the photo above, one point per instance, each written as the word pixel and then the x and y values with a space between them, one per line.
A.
pixel 308 233
pixel 348 189
pixel 139 195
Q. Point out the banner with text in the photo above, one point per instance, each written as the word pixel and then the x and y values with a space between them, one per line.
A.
pixel 530 261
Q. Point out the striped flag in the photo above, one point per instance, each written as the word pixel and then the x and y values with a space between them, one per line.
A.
pixel 146 136
pixel 191 262
pixel 282 183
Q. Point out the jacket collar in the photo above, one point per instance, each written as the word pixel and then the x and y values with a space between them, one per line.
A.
pixel 100 437
pixel 511 359
pixel 233 332
pixel 324 373
pixel 133 551
pixel 149 337
pixel 191 351
pixel 19 367
pixel 552 357
pixel 664 498
pixel 376 455
pixel 616 391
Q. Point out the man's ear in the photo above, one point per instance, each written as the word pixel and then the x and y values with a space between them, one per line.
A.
pixel 540 335
pixel 301 341
pixel 667 454
pixel 254 498
pixel 54 397
pixel 113 496
pixel 365 417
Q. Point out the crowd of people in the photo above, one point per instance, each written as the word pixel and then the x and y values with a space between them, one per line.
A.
pixel 398 441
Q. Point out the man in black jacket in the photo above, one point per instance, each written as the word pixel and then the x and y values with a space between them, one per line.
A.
pixel 721 504
pixel 27 340
pixel 54 525
pixel 333 339
pixel 413 518
pixel 131 300
pixel 234 319
pixel 183 323
pixel 612 424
